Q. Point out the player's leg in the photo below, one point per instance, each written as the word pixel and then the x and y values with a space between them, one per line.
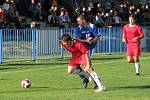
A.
pixel 137 65
pixel 86 78
pixel 130 53
pixel 83 75
pixel 137 53
pixel 91 52
pixel 71 70
pixel 96 78
pixel 78 71
pixel 130 59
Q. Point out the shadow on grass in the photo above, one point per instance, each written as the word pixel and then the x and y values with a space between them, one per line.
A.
pixel 34 64
pixel 117 58
pixel 131 87
pixel 36 89
pixel 3 79
pixel 8 68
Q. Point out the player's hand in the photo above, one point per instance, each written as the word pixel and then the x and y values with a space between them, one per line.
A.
pixel 135 39
pixel 88 40
pixel 61 44
pixel 124 40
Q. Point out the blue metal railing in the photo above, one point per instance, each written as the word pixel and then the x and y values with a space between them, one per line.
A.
pixel 31 44
pixel 16 45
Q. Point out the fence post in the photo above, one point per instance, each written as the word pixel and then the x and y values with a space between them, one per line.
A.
pixel 1 47
pixel 109 40
pixel 61 48
pixel 121 43
pixel 33 44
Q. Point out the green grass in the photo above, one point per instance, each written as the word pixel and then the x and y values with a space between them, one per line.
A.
pixel 51 82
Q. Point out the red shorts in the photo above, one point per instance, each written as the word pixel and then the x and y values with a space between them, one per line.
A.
pixel 133 50
pixel 76 61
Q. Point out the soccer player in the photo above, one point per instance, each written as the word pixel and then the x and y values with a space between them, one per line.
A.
pixel 87 33
pixel 132 35
pixel 80 56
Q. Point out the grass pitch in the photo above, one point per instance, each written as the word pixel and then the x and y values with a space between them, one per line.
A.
pixel 51 82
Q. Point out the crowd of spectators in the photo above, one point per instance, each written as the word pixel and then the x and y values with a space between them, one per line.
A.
pixel 13 15
pixel 115 13
pixel 108 13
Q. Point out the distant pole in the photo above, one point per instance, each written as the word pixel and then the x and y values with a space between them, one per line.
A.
pixel 33 44
pixel 61 48
pixel 1 47
pixel 110 39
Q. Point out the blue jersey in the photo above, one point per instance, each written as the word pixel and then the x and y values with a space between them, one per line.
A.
pixel 85 32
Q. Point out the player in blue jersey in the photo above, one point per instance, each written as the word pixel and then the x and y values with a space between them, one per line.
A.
pixel 87 33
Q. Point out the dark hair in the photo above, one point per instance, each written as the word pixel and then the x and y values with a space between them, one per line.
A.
pixel 133 16
pixel 66 38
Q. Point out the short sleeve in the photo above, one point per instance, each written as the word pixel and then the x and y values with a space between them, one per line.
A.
pixel 140 31
pixel 124 30
pixel 95 31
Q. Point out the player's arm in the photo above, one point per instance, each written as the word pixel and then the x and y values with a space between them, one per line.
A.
pixel 96 35
pixel 94 40
pixel 141 36
pixel 141 32
pixel 61 44
pixel 84 40
pixel 137 38
pixel 124 38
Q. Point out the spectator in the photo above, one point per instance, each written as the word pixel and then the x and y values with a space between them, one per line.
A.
pixel 33 24
pixel 55 16
pixel 61 17
pixel 83 12
pixel 89 14
pixel 121 12
pixel 99 7
pixel 64 19
pixel 67 18
pixel 33 9
pixel 99 20
pixel 2 17
pixel 18 23
pixel 6 7
pixel 39 13
pixel 108 20
pixel 117 19
pixel 50 14
pixel 12 9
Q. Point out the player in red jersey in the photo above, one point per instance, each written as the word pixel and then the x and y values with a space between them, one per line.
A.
pixel 132 35
pixel 80 56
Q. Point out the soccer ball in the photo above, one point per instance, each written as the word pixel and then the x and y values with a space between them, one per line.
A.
pixel 26 83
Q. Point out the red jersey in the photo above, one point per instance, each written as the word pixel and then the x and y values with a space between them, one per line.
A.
pixel 77 49
pixel 132 32
pixel 2 16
